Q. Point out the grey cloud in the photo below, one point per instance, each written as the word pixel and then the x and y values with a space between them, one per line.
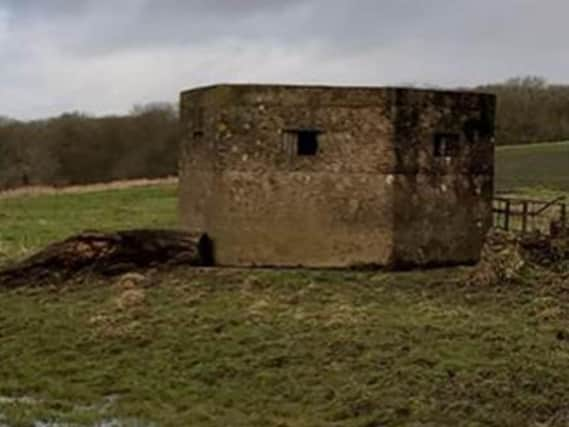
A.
pixel 104 55
pixel 99 27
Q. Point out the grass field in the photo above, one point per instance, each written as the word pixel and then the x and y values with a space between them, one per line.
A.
pixel 270 348
pixel 31 221
pixel 230 348
pixel 533 166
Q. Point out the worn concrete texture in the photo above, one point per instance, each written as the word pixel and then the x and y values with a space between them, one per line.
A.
pixel 375 193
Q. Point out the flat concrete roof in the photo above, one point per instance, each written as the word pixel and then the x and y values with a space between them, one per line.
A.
pixel 331 87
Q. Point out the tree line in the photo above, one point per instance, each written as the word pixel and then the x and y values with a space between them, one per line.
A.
pixel 530 110
pixel 75 148
pixel 78 149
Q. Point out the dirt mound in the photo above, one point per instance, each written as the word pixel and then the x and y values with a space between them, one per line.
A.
pixel 548 252
pixel 506 256
pixel 110 254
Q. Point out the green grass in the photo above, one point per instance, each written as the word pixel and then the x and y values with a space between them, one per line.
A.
pixel 30 222
pixel 295 348
pixel 533 166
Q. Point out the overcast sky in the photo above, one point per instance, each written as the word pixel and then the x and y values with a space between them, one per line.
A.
pixel 103 56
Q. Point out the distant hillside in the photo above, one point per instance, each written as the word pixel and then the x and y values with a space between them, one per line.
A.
pixel 530 110
pixel 536 165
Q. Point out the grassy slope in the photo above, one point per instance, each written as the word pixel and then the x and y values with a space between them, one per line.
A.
pixel 536 165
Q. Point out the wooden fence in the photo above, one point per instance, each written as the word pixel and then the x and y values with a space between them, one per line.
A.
pixel 527 215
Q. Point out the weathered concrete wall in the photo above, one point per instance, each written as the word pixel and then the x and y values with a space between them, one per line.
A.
pixel 372 186
pixel 298 219
pixel 262 204
pixel 197 158
pixel 443 205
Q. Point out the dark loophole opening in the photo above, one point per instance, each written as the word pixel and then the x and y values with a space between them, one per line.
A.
pixel 307 143
pixel 446 145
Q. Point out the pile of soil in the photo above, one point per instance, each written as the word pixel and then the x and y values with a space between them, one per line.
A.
pixel 506 257
pixel 110 254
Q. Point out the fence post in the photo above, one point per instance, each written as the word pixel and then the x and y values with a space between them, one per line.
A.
pixel 507 216
pixel 525 217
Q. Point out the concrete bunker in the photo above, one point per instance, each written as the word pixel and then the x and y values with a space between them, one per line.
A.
pixel 319 176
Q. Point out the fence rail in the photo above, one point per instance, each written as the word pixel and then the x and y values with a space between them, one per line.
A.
pixel 527 215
